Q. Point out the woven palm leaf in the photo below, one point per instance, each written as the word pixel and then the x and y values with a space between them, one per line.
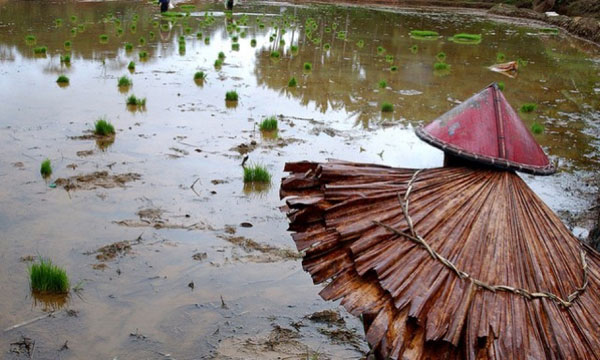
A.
pixel 503 277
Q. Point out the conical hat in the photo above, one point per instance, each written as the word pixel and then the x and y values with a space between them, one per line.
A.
pixel 446 263
pixel 486 129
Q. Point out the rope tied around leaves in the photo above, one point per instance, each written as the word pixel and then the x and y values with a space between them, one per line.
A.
pixel 415 237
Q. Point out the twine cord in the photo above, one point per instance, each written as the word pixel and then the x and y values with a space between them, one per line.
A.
pixel 415 237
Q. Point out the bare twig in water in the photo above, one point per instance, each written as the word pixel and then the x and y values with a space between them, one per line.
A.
pixel 192 187
pixel 223 305
pixel 31 321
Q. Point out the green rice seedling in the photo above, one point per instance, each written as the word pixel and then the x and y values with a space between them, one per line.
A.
pixel 341 35
pixel 268 124
pixel 206 40
pixel 58 22
pixel 294 49
pixel 275 54
pixel 537 128
pixel 30 39
pixel 327 29
pixel 307 66
pixel 62 79
pixel 40 50
pixel 253 42
pixel 500 57
pixel 389 59
pixel 550 31
pixel 73 18
pixel 181 48
pixel 441 56
pixel 102 127
pixel 382 84
pixel 142 41
pixel 46 168
pixel 528 107
pixel 143 55
pixel 231 96
pixel 243 34
pixel 234 39
pixel 440 66
pixel 292 82
pixel 387 107
pixel 188 7
pixel 261 26
pixel 68 45
pixel 522 63
pixel 128 46
pixel 133 28
pixel 316 41
pixel 131 66
pixel 164 27
pixel 256 173
pixel 73 31
pixel 132 100
pixel 182 39
pixel 393 68
pixel 119 31
pixel 188 30
pixel 414 49
pixel 360 43
pixel 81 28
pixel 424 35
pixel 326 46
pixel 221 55
pixel 199 35
pixel 218 63
pixel 45 277
pixel 380 50
pixel 271 38
pixel 199 76
pixel 235 46
pixel 124 81
pixel 135 17
pixel 65 59
pixel 281 42
pixel 334 26
pixel 151 35
pixel 462 38
pixel 103 39
pixel 501 85
pixel 155 24
pixel 172 14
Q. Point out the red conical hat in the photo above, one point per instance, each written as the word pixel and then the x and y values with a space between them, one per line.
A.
pixel 486 129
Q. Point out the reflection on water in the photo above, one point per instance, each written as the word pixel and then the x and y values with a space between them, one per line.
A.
pixel 49 302
pixel 188 144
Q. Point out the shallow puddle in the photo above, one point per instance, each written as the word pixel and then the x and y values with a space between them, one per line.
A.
pixel 199 264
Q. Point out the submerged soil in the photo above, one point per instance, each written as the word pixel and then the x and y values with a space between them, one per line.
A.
pixel 169 253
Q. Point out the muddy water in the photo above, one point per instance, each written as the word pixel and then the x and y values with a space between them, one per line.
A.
pixel 171 182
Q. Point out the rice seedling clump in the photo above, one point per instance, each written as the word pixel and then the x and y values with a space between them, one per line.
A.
pixel 65 59
pixel 143 55
pixel 131 65
pixel 440 66
pixel 463 38
pixel 501 85
pixel 231 96
pixel 40 50
pixel 528 107
pixel 103 39
pixel 46 168
pixel 256 173
pixel 424 34
pixel 307 66
pixel 382 84
pixel 62 79
pixel 124 81
pixel 132 100
pixel 292 82
pixel 103 128
pixel 45 277
pixel 275 54
pixel 537 128
pixel 199 75
pixel 387 107
pixel 269 124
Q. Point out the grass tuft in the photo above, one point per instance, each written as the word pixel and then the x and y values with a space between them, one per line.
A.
pixel 45 277
pixel 124 81
pixel 231 96
pixel 62 79
pixel 46 168
pixel 387 107
pixel 268 124
pixel 103 128
pixel 293 82
pixel 528 107
pixel 256 173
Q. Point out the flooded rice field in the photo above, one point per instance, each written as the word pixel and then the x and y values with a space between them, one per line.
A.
pixel 169 254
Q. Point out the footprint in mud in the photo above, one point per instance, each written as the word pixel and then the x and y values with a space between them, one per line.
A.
pixel 258 252
pixel 154 217
pixel 97 179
